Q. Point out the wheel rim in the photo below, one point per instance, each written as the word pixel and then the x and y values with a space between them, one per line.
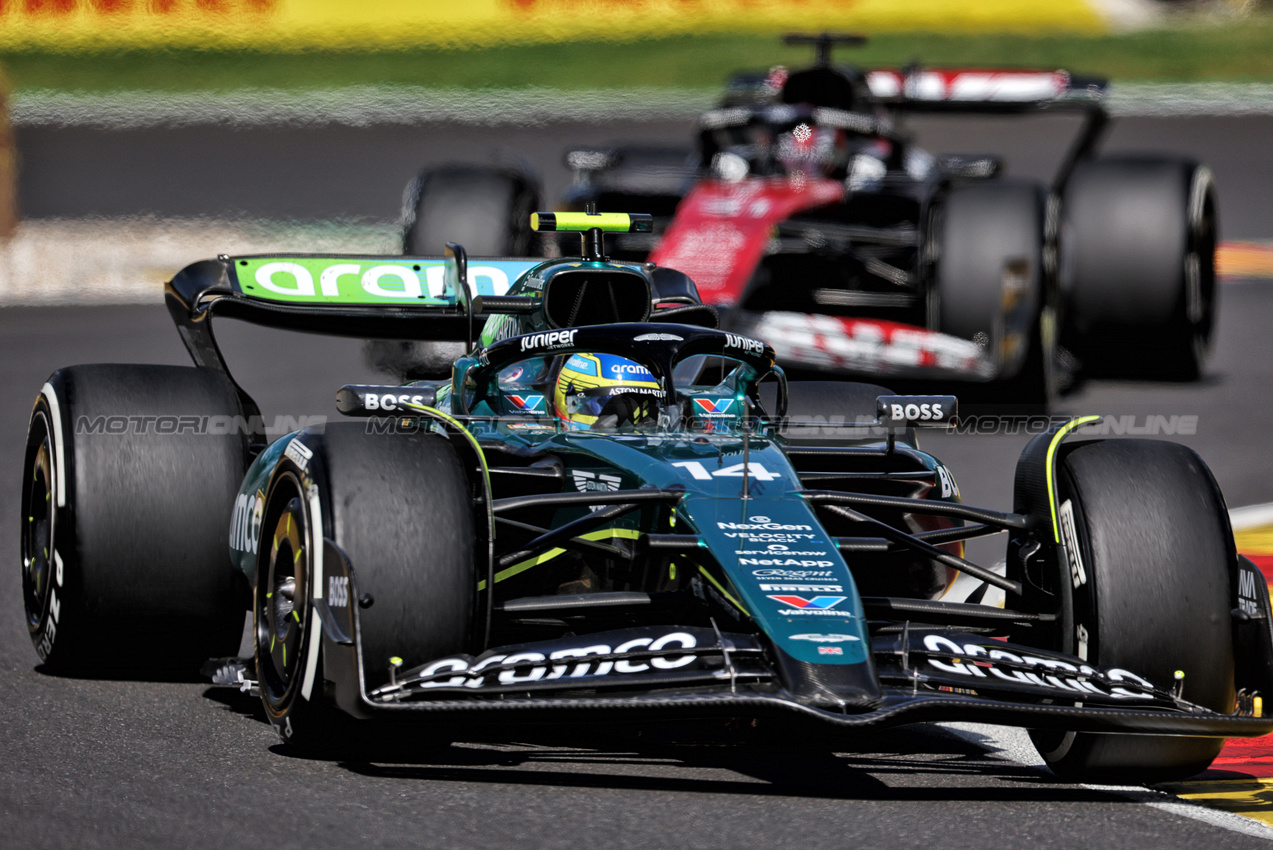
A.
pixel 37 533
pixel 1199 271
pixel 281 612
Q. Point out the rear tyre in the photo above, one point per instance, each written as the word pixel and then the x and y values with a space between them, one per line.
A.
pixel 129 481
pixel 991 286
pixel 487 210
pixel 1154 545
pixel 1138 266
pixel 400 507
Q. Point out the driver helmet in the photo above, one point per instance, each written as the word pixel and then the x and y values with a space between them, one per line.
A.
pixel 813 151
pixel 604 391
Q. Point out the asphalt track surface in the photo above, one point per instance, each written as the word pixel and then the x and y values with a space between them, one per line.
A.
pixel 92 763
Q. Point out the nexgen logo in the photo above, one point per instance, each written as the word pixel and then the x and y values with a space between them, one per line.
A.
pixel 818 602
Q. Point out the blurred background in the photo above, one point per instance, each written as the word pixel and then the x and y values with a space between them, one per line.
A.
pixel 145 132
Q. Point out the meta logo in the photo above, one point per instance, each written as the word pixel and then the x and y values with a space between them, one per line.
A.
pixel 713 407
pixel 528 403
pixel 816 603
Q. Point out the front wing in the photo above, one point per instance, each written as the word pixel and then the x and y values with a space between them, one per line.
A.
pixel 873 348
pixel 663 672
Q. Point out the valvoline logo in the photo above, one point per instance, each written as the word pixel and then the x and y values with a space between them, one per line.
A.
pixel 528 403
pixel 713 406
pixel 818 602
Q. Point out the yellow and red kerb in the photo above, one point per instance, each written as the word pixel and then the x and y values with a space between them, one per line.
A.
pixel 1240 780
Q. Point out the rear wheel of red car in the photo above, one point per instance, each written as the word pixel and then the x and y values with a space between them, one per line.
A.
pixel 1138 266
pixel 990 285
pixel 483 208
pixel 400 507
pixel 1151 594
pixel 129 481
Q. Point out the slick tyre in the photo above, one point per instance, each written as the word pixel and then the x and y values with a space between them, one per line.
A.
pixel 1138 271
pixel 129 479
pixel 991 284
pixel 1151 594
pixel 487 210
pixel 400 507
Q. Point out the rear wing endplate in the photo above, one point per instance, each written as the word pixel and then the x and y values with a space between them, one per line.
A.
pixel 354 295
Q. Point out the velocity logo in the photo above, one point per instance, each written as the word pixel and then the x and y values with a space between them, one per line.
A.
pixel 816 603
pixel 528 403
pixel 713 407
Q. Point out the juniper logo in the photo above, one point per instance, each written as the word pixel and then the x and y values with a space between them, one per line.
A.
pixel 551 339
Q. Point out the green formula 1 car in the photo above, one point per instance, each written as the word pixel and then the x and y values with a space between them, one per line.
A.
pixel 614 510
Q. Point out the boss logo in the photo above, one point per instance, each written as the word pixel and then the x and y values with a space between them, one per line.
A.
pixel 338 591
pixel 390 401
pixel 900 409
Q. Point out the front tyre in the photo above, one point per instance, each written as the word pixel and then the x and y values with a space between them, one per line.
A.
pixel 1150 593
pixel 400 506
pixel 287 636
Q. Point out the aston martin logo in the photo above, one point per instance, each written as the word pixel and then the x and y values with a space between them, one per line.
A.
pixel 594 482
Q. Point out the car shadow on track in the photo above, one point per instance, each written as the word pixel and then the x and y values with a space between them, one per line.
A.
pixel 923 762
pixel 917 763
pixel 237 702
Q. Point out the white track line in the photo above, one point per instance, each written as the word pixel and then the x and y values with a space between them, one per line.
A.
pixel 357 106
pixel 1251 516
pixel 126 260
pixel 368 105
pixel 1014 744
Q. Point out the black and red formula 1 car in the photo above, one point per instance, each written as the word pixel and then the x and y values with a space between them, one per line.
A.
pixel 810 218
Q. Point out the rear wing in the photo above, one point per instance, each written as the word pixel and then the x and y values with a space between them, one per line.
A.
pixel 357 295
pixel 438 299
pixel 999 91
pixel 984 90
pixel 343 295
